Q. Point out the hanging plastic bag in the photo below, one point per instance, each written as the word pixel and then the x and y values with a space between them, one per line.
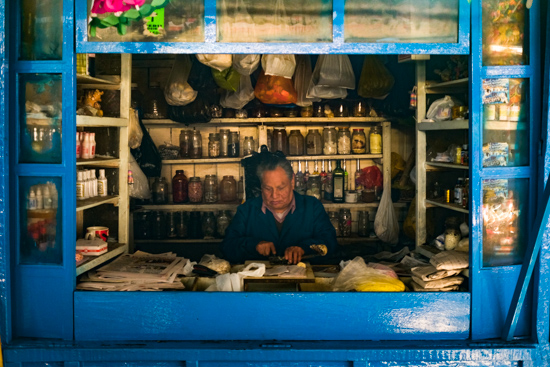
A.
pixel 139 187
pixel 177 91
pixel 316 90
pixel 275 90
pixel 134 130
pixel 279 65
pixel 376 80
pixel 371 177
pixel 336 71
pixel 440 109
pixel 243 95
pixel 227 79
pixel 216 61
pixel 357 276
pixel 385 222
pixel 301 81
pixel 147 155
pixel 246 64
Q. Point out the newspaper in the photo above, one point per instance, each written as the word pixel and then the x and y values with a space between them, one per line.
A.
pixel 440 283
pixel 429 272
pixel 450 260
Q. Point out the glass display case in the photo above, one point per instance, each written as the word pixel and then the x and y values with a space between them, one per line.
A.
pixel 41 30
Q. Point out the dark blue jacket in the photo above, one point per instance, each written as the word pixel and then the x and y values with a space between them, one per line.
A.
pixel 308 225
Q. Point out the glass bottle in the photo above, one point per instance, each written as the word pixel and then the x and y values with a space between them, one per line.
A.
pixel 280 140
pixel 314 186
pixel 185 143
pixel 224 142
pixel 214 145
pixel 210 189
pixel 179 187
pixel 181 225
pixel 344 140
pixel 299 182
pixel 270 140
pixel 195 150
pixel 346 177
pixel 209 225
pixel 233 147
pixel 314 142
pixel 323 176
pixel 194 229
pixel 240 189
pixel 363 224
pixel 248 145
pixel 358 185
pixel 222 222
pixel 171 231
pixel 228 189
pixel 159 225
pixel 358 141
pixel 142 225
pixel 195 190
pixel 155 106
pixel 338 183
pixel 335 221
pixel 329 189
pixel 345 222
pixel 296 143
pixel 306 173
pixel 375 140
pixel 330 140
pixel 160 191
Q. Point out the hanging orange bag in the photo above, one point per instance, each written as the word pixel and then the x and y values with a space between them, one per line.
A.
pixel 275 90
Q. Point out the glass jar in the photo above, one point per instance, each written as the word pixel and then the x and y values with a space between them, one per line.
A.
pixel 360 109
pixel 228 189
pixel 194 229
pixel 241 114
pixel 155 106
pixel 358 141
pixel 344 140
pixel 214 145
pixel 318 109
pixel 291 112
pixel 280 140
pixel 142 225
pixel 375 140
pixel 295 143
pixel 275 112
pixel 179 187
pixel 363 224
pixel 216 111
pixel 210 189
pixel 159 225
pixel 249 145
pixel 233 147
pixel 335 221
pixel 185 143
pixel 222 222
pixel 259 111
pixel 314 142
pixel 329 140
pixel 171 222
pixel 240 189
pixel 181 225
pixel 314 186
pixel 208 225
pixel 306 111
pixel 195 190
pixel 270 140
pixel 224 142
pixel 195 150
pixel 160 191
pixel 345 222
pixel 340 109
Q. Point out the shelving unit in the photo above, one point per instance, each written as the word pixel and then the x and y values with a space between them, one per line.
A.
pixel 269 121
pixel 96 201
pixel 113 250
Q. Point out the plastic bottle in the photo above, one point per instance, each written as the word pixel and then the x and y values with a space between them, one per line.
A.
pixel 86 146
pixel 94 184
pixel 47 198
pixel 39 199
pixel 87 186
pixel 31 204
pixel 55 195
pixel 78 146
pixel 458 192
pixel 358 185
pixel 102 183
pixel 80 186
pixel 299 183
pixel 92 145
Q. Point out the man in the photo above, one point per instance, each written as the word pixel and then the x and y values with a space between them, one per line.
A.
pixel 280 222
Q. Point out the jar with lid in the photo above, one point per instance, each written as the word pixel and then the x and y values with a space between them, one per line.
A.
pixel 216 111
pixel 142 224
pixel 291 112
pixel 318 109
pixel 224 142
pixel 314 186
pixel 222 222
pixel 155 106
pixel 344 140
pixel 335 221
pixel 210 189
pixel 375 140
pixel 280 140
pixel 329 140
pixel 314 142
pixel 360 109
pixel 171 222
pixel 306 111
pixel 275 112
pixel 185 143
pixel 295 143
pixel 179 187
pixel 160 191
pixel 249 145
pixel 340 109
pixel 358 141
pixel 194 229
pixel 363 224
pixel 209 225
pixel 159 225
pixel 345 222
pixel 259 111
pixel 214 145
pixel 195 190
pixel 195 150
pixel 241 114
pixel 228 189
pixel 233 147
pixel 181 225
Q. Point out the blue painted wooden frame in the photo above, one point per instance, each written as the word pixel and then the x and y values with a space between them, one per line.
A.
pixel 337 46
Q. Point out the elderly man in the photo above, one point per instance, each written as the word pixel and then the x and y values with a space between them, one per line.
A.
pixel 280 222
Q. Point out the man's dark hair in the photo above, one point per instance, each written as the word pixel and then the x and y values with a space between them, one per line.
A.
pixel 271 163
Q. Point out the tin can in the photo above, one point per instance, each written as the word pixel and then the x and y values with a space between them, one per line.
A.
pixel 447 196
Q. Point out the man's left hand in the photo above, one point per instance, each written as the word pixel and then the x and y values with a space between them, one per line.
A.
pixel 294 254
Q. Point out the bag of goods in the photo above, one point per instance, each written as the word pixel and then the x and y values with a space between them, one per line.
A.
pixel 246 64
pixel 178 92
pixel 275 90
pixel 243 95
pixel 357 276
pixel 227 79
pixel 441 109
pixel 279 65
pixel 214 263
pixel 302 79
pixel 376 80
pixel 331 78
pixel 216 61
pixel 386 226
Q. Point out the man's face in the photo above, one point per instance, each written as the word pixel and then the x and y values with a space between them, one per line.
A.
pixel 277 190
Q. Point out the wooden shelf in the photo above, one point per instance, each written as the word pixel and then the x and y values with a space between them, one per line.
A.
pixel 450 206
pixel 181 240
pixel 504 125
pixel 444 125
pixel 94 121
pixel 450 86
pixel 114 249
pixel 290 158
pixel 271 121
pixel 87 79
pixel 447 165
pixel 96 201
pixel 98 161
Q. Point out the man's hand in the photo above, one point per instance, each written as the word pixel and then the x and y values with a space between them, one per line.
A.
pixel 265 248
pixel 294 254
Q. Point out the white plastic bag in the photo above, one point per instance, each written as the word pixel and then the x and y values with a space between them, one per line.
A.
pixel 385 222
pixel 440 109
pixel 139 188
pixel 219 62
pixel 317 90
pixel 238 99
pixel 279 65
pixel 357 276
pixel 301 80
pixel 135 134
pixel 336 71
pixel 215 263
pixel 234 282
pixel 177 91
pixel 246 64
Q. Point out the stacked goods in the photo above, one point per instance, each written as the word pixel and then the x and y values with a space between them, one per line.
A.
pixel 442 275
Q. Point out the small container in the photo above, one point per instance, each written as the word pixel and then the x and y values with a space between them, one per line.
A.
pixel 368 195
pixel 233 147
pixel 241 114
pixel 209 225
pixel 171 222
pixel 358 141
pixel 214 145
pixel 181 225
pixel 375 140
pixel 224 142
pixel 459 112
pixel 194 229
pixel 159 225
pixel 314 186
pixel 351 196
pixel 160 191
pixel 345 222
pixel 179 187
pixel 344 140
pixel 195 190
pixel 249 145
pixel 228 189
pixel 335 221
pixel 514 112
pixel 280 140
pixel 222 222
pixel 363 224
pixel 503 111
pixel 210 189
pixel 142 225
pixel 340 109
pixel 306 111
pixel 296 143
pixel 275 112
pixel 318 110
pixel 330 139
pixel 154 106
pixel 195 150
pixel 259 112
pixel 185 143
pixel 216 111
pixel 291 112
pixel 314 142
pixel 360 109
pixel 490 112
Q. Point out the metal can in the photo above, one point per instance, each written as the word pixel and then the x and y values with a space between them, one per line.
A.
pixel 447 196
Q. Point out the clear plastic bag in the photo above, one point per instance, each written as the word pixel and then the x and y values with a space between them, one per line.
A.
pixel 440 109
pixel 227 79
pixel 375 80
pixel 302 78
pixel 318 90
pixel 177 91
pixel 246 64
pixel 139 189
pixel 214 263
pixel 279 65
pixel 216 61
pixel 243 95
pixel 336 71
pixel 385 222
pixel 357 276
pixel 135 134
pixel 274 90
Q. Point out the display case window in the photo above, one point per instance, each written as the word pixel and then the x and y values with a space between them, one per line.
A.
pixel 146 21
pixel 41 29
pixel 505 122
pixel 505 216
pixel 504 27
pixel 40 221
pixel 275 21
pixel 40 110
pixel 411 21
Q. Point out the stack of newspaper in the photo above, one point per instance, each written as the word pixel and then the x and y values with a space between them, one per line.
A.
pixel 140 271
pixel 443 273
